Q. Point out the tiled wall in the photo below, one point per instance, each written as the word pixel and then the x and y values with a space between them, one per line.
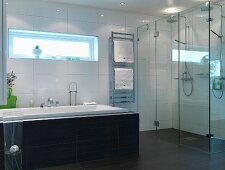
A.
pixel 39 79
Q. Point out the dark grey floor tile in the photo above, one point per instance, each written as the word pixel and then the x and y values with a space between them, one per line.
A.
pixel 160 153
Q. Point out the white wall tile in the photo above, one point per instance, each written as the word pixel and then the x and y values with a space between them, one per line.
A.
pixel 50 67
pixel 104 31
pixel 24 83
pixel 104 48
pixel 22 66
pixel 50 25
pixel 49 10
pixel 146 126
pixel 136 20
pixel 104 66
pixel 50 83
pixel 83 28
pixel 83 67
pixel 112 17
pixel 103 90
pixel 81 13
pixel 22 7
pixel 165 124
pixel 25 100
pixel 20 22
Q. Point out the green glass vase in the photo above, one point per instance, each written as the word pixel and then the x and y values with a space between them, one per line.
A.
pixel 11 100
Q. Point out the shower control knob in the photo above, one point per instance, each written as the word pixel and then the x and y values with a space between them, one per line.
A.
pixel 14 149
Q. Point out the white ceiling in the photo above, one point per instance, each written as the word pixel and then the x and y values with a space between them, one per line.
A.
pixel 149 7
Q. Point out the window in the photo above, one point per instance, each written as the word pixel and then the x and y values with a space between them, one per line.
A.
pixel 56 46
pixel 190 56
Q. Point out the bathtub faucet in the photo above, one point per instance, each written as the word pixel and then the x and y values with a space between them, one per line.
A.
pixel 73 93
pixel 50 102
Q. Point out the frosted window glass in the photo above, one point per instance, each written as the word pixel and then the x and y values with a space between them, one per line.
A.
pixel 189 56
pixel 24 46
pixel 123 51
pixel 124 79
pixel 48 45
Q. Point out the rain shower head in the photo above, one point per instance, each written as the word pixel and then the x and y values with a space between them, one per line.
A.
pixel 172 19
pixel 206 7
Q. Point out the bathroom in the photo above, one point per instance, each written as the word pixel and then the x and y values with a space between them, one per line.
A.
pixel 174 95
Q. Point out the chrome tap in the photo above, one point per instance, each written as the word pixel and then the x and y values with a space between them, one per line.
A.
pixel 50 102
pixel 57 103
pixel 73 90
pixel 42 105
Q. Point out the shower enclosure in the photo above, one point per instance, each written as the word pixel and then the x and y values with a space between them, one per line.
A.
pixel 181 77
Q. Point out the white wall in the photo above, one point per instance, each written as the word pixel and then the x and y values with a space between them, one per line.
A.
pixel 39 79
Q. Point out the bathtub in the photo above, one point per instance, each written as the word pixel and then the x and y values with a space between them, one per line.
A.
pixel 37 113
pixel 69 134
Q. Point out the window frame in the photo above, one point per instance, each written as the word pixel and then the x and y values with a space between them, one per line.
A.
pixel 93 42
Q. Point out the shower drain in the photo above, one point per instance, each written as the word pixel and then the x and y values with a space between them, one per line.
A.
pixel 191 138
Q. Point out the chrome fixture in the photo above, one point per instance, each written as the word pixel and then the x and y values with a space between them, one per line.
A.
pixel 42 105
pixel 172 19
pixel 14 149
pixel 73 91
pixel 50 102
pixel 219 36
pixel 142 29
pixel 186 75
pixel 180 42
pixel 206 7
pixel 56 103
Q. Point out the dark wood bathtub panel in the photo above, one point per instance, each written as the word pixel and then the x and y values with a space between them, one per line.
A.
pixel 97 138
pixel 41 157
pixel 49 132
pixel 128 142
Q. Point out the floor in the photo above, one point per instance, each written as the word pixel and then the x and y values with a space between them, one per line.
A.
pixel 158 153
pixel 195 141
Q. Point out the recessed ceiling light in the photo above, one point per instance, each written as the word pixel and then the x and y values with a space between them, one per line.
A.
pixel 122 3
pixel 58 10
pixel 102 15
pixel 172 10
